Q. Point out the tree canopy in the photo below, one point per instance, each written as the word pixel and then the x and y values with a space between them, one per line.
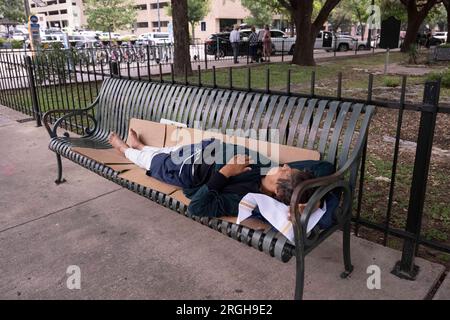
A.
pixel 12 11
pixel 261 12
pixel 197 10
pixel 101 14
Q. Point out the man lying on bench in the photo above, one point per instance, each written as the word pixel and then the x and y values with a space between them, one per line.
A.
pixel 216 175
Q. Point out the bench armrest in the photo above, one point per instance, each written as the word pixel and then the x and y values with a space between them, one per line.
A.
pixel 323 185
pixel 51 129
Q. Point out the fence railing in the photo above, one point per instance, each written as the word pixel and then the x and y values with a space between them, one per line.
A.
pixel 64 80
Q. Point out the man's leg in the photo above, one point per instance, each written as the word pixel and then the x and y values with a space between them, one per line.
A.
pixel 235 51
pixel 138 153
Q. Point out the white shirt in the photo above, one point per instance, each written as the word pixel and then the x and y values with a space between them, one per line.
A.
pixel 235 36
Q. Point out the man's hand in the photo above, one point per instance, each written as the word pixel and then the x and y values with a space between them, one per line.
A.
pixel 301 208
pixel 236 165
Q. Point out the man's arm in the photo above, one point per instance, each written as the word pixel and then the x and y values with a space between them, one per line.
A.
pixel 209 201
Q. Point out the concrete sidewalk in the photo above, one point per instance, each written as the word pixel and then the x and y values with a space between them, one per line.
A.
pixel 128 247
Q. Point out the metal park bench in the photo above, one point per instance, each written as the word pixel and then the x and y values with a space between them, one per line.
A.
pixel 336 129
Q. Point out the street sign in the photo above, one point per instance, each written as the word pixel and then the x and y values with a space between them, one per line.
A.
pixel 39 3
pixel 34 31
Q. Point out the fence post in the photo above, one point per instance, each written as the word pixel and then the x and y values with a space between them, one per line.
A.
pixel 34 98
pixel 405 268
pixel 206 57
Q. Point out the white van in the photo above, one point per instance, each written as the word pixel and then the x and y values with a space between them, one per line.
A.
pixel 154 38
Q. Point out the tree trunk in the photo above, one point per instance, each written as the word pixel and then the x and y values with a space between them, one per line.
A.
pixel 182 56
pixel 447 7
pixel 304 43
pixel 414 22
pixel 448 23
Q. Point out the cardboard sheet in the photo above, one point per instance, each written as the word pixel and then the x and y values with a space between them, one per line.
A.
pixel 149 132
pixel 122 167
pixel 138 176
pixel 250 223
pixel 179 195
pixel 104 156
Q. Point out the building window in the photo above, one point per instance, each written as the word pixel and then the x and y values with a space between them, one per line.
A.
pixel 203 26
pixel 62 1
pixel 49 3
pixel 161 5
pixel 142 25
pixel 164 24
pixel 65 23
pixel 33 5
pixel 53 13
pixel 141 7
pixel 63 11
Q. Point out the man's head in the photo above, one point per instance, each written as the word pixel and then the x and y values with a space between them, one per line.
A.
pixel 236 27
pixel 285 179
pixel 253 29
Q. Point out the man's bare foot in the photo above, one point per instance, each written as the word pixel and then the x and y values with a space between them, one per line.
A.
pixel 117 143
pixel 134 141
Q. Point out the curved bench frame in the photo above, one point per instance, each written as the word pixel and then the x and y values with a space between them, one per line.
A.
pixel 337 129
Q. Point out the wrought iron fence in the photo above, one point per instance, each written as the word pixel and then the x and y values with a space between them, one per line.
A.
pixel 68 79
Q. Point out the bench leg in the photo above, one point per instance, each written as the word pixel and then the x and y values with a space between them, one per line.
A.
pixel 60 179
pixel 346 248
pixel 300 275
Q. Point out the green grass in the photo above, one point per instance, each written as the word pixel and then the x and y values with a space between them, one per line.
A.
pixel 74 96
pixel 391 82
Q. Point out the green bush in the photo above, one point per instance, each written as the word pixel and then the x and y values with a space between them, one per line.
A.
pixel 391 82
pixel 51 64
pixel 17 44
pixel 14 44
pixel 444 76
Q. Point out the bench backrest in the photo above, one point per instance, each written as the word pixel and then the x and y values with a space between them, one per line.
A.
pixel 337 129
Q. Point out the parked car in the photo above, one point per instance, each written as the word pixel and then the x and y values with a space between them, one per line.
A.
pixel 422 39
pixel 327 41
pixel 18 35
pixel 218 44
pixel 154 38
pixel 441 36
pixel 48 41
pixel 82 41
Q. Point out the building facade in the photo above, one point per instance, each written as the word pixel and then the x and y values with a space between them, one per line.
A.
pixel 59 13
pixel 223 14
pixel 152 16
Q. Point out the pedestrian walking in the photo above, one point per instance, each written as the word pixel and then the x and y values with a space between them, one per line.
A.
pixel 267 43
pixel 235 39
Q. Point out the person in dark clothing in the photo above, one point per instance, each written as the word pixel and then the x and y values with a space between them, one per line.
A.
pixel 216 175
pixel 253 45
